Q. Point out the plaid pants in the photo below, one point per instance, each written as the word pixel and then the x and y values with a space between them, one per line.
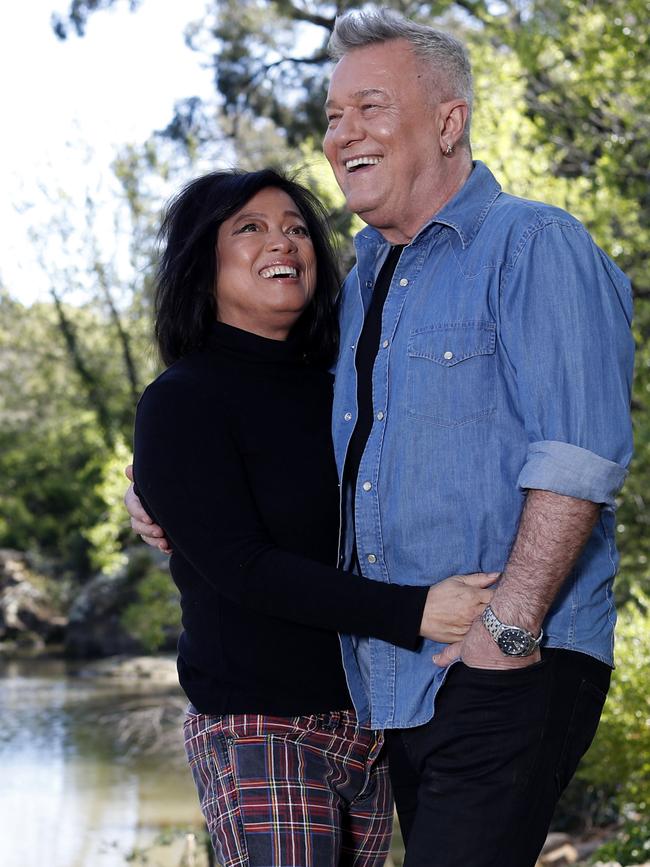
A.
pixel 306 791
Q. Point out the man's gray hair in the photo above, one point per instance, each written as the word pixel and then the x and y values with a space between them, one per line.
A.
pixel 450 65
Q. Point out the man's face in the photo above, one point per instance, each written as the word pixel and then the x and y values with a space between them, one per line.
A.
pixel 382 137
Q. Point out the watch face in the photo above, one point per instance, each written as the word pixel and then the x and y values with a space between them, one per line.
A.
pixel 515 642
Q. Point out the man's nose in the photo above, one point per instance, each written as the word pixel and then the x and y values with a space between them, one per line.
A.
pixel 348 130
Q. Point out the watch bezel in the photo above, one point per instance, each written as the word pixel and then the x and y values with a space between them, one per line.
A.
pixel 515 641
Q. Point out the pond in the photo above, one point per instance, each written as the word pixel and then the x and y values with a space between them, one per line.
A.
pixel 74 789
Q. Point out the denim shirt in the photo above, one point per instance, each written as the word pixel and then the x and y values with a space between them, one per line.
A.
pixel 505 363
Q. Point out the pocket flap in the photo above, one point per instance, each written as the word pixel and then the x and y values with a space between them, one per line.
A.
pixel 451 343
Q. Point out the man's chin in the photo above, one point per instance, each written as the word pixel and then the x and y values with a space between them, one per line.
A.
pixel 361 205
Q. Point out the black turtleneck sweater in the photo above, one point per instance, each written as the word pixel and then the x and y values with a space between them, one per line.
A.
pixel 233 457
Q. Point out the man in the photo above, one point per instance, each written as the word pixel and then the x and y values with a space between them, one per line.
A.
pixel 481 423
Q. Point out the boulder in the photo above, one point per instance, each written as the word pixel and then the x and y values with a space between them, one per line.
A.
pixel 94 621
pixel 29 613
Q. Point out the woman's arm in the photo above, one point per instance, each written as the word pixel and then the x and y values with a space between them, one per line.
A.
pixel 192 481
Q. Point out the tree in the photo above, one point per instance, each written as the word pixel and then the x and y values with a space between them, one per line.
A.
pixel 562 89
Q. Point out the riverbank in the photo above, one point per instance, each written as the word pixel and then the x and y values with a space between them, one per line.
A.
pixel 93 766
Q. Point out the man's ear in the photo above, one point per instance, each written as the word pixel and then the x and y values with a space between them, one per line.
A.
pixel 453 116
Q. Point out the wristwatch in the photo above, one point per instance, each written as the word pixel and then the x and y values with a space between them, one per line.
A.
pixel 512 640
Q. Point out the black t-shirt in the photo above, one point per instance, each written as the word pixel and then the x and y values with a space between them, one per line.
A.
pixel 367 349
pixel 233 457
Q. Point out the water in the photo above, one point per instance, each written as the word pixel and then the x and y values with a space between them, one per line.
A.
pixel 73 792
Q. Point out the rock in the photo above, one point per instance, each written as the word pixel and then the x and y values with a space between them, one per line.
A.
pixel 554 840
pixel 28 614
pixel 560 856
pixel 154 670
pixel 94 625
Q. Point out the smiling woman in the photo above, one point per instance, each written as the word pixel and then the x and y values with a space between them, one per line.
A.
pixel 225 440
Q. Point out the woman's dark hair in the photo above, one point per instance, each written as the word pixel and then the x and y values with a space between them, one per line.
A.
pixel 185 280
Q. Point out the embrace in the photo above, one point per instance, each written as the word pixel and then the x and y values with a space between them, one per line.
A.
pixel 464 458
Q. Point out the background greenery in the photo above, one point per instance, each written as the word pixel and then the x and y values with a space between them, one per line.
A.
pixel 561 115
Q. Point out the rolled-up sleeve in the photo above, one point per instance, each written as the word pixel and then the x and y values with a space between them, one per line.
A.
pixel 572 471
pixel 566 311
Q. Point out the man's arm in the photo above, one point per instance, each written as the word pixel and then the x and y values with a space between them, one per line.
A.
pixel 552 532
pixel 564 317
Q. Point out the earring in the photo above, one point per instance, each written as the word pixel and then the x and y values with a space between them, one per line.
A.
pixel 449 150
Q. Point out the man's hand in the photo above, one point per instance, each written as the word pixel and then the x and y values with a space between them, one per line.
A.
pixel 141 523
pixel 479 650
pixel 453 605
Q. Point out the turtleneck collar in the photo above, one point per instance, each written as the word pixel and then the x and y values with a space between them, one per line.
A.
pixel 253 346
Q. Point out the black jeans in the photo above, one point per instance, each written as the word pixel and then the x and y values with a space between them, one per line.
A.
pixel 477 785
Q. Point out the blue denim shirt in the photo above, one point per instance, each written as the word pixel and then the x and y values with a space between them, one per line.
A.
pixel 505 363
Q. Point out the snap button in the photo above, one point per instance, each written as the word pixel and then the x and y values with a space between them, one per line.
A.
pixel 448 355
pixel 380 415
pixel 403 282
pixel 371 558
pixel 385 344
pixel 367 486
pixel 347 416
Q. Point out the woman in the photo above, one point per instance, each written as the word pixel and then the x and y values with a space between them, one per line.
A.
pixel 233 458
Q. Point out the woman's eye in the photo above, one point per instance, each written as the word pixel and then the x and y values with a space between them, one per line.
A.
pixel 249 227
pixel 299 230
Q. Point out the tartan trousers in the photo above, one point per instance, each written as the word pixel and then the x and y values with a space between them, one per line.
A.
pixel 305 791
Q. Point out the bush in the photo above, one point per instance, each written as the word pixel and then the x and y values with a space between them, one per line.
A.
pixel 630 846
pixel 619 760
pixel 154 617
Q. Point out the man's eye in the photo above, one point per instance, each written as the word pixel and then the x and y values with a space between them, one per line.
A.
pixel 333 118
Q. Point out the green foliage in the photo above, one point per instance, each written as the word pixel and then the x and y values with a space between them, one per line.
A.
pixel 631 845
pixel 619 759
pixel 59 496
pixel 156 612
pixel 106 537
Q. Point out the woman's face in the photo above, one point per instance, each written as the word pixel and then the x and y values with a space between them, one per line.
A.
pixel 266 266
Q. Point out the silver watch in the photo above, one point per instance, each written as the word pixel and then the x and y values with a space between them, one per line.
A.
pixel 512 640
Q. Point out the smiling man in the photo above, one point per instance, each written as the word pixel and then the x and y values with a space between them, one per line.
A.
pixel 481 422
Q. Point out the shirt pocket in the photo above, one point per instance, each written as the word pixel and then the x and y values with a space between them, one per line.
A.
pixel 451 376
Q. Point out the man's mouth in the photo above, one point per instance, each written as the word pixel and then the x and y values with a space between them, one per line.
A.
pixel 356 163
pixel 278 271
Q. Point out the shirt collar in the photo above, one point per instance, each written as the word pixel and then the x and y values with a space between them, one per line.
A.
pixel 464 213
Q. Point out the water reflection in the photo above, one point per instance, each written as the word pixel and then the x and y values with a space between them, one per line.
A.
pixel 71 794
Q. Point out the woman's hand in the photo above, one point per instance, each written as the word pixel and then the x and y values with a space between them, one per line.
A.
pixel 141 523
pixel 454 604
